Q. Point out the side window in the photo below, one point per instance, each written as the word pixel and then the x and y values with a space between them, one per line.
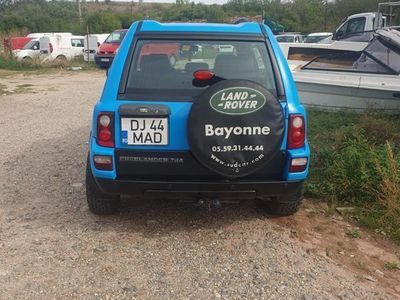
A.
pixel 77 42
pixel 35 46
pixel 356 25
pixel 342 30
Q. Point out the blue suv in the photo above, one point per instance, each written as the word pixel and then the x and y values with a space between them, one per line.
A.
pixel 198 111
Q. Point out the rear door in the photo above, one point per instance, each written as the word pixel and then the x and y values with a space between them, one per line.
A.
pixel 44 46
pixel 90 47
pixel 77 46
pixel 156 95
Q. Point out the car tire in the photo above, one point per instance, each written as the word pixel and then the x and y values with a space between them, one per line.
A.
pixel 99 202
pixel 61 59
pixel 286 205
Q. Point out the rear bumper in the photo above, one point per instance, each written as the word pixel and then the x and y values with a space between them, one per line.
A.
pixel 101 60
pixel 219 189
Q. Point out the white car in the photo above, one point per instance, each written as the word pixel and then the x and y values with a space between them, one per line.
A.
pixel 317 37
pixel 289 38
pixel 30 51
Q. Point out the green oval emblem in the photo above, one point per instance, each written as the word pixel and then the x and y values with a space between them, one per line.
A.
pixel 237 101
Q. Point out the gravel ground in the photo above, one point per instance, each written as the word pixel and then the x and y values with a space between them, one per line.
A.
pixel 52 247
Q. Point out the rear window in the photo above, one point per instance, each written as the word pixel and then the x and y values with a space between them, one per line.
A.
pixel 165 68
pixel 77 42
pixel 285 38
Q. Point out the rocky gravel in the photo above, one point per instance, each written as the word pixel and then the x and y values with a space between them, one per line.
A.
pixel 52 247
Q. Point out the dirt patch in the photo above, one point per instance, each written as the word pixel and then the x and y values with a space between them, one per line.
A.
pixel 359 250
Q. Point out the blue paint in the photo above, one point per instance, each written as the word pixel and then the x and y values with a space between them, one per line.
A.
pixel 179 111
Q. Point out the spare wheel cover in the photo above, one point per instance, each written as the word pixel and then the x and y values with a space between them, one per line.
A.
pixel 235 127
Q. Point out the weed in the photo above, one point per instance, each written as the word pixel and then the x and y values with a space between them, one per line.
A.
pixel 354 233
pixel 391 266
pixel 389 192
pixel 356 163
pixel 3 90
pixel 361 265
pixel 23 88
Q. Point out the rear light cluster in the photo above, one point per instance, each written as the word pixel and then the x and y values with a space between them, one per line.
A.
pixel 296 139
pixel 105 129
pixel 297 132
pixel 103 162
pixel 298 164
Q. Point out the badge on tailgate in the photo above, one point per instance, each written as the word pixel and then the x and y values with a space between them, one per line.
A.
pixel 144 124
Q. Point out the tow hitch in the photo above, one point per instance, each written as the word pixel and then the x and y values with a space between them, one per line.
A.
pixel 210 203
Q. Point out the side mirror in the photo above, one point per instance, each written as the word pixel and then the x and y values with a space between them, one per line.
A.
pixel 334 36
pixel 35 47
pixel 107 72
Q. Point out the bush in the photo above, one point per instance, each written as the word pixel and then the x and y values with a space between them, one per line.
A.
pixel 356 161
pixel 8 63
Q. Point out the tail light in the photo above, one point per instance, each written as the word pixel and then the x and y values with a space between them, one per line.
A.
pixel 203 75
pixel 298 164
pixel 105 129
pixel 297 131
pixel 103 162
pixel 51 48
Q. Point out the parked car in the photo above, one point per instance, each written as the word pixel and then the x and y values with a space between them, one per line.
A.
pixel 290 38
pixel 92 43
pixel 15 43
pixel 106 52
pixel 61 47
pixel 38 35
pixel 358 24
pixel 30 51
pixel 317 37
pixel 221 126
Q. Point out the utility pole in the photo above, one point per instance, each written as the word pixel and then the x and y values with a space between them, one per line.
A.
pixel 326 15
pixel 132 11
pixel 79 11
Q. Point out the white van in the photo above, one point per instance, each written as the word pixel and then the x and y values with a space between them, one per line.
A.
pixel 61 47
pixel 30 51
pixel 92 43
pixel 38 35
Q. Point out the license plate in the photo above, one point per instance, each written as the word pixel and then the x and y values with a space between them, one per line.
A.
pixel 105 59
pixel 144 131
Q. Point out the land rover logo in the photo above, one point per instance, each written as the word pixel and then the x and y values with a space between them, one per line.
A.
pixel 237 101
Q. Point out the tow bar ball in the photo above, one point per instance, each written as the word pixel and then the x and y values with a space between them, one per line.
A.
pixel 207 203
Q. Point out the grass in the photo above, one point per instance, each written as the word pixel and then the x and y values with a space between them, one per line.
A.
pixel 356 162
pixel 8 63
pixel 23 88
pixel 391 266
pixel 354 233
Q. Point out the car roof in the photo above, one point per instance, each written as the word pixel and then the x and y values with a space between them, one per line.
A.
pixel 242 28
pixel 320 34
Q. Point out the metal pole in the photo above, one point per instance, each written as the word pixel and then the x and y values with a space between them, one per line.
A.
pixel 87 43
pixel 326 14
pixel 79 11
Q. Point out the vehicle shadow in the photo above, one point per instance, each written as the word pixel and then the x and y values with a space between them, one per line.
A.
pixel 47 182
